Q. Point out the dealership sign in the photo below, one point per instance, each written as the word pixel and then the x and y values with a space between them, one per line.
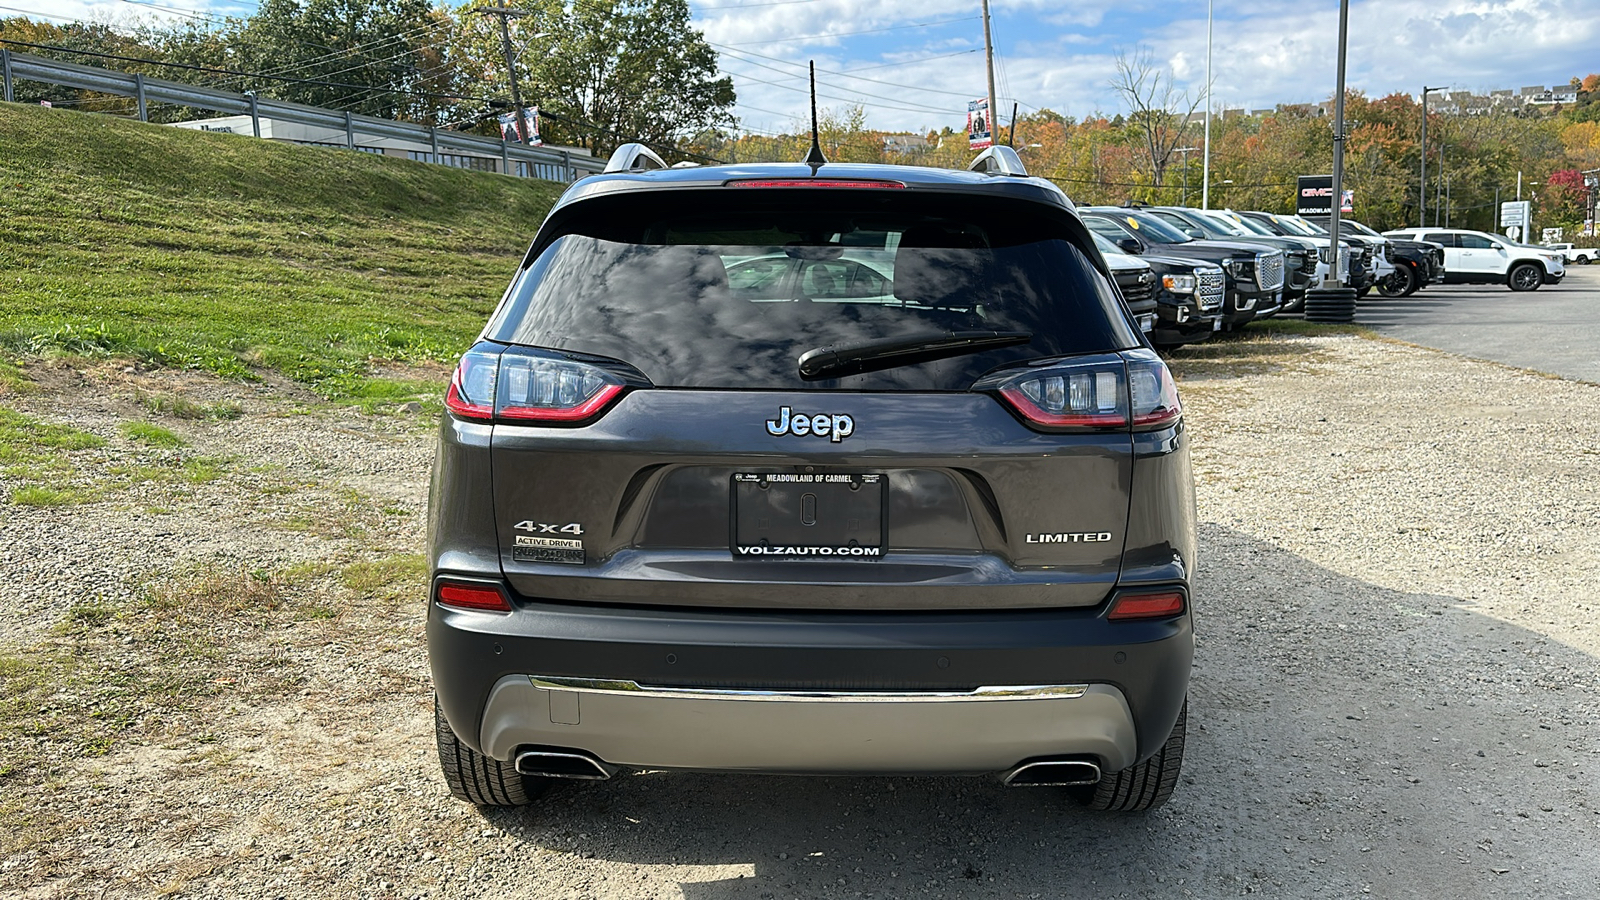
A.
pixel 1314 196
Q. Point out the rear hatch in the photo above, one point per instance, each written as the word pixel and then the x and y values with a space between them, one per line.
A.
pixel 813 398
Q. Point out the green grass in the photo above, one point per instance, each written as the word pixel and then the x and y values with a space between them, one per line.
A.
pixel 152 435
pixel 37 459
pixel 40 495
pixel 230 254
pixel 184 408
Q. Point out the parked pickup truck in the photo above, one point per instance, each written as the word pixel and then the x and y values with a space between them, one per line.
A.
pixel 1578 255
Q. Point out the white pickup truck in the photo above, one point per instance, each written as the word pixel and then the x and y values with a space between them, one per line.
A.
pixel 1580 255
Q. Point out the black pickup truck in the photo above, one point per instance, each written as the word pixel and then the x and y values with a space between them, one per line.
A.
pixel 1254 274
pixel 1417 264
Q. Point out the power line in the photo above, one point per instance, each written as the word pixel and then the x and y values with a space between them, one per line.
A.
pixel 839 34
pixel 736 55
pixel 754 5
pixel 903 62
pixel 962 94
pixel 214 71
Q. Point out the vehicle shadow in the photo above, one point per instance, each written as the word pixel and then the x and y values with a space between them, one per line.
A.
pixel 1344 738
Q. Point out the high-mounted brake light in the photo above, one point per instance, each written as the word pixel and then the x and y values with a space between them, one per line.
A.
pixel 812 183
pixel 1153 605
pixel 523 387
pixel 473 596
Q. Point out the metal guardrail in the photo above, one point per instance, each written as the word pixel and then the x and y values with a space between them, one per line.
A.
pixel 553 165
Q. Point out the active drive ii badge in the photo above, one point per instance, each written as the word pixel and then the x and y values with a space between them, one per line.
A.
pixel 548 550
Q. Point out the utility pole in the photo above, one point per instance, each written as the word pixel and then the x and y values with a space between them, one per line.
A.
pixel 1205 158
pixel 1338 142
pixel 505 14
pixel 1185 151
pixel 988 59
pixel 1422 185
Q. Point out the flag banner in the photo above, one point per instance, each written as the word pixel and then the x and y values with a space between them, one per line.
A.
pixel 979 132
pixel 509 128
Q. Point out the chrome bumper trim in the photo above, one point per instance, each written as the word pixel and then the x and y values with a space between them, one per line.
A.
pixel 635 689
pixel 847 732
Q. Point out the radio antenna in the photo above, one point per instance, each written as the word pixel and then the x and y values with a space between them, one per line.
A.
pixel 814 157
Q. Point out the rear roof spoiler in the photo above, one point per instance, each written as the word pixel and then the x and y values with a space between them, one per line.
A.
pixel 634 158
pixel 999 160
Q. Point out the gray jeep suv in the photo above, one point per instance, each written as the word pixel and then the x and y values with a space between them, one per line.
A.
pixel 845 469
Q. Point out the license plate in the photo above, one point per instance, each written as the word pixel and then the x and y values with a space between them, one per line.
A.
pixel 791 515
pixel 1216 324
pixel 1147 323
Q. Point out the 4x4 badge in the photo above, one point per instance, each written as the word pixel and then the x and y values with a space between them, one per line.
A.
pixel 833 427
pixel 548 527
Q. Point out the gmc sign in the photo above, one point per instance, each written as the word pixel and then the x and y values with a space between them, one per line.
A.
pixel 1314 196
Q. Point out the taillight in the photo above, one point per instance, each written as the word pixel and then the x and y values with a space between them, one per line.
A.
pixel 1155 393
pixel 1146 605
pixel 1088 396
pixel 527 387
pixel 471 393
pixel 473 596
pixel 1133 389
pixel 538 389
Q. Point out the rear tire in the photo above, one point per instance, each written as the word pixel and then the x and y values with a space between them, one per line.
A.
pixel 1146 785
pixel 479 779
pixel 1583 260
pixel 1525 277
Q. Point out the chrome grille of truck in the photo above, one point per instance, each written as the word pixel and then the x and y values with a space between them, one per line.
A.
pixel 1269 270
pixel 1209 289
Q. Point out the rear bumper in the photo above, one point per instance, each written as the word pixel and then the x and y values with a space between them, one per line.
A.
pixel 627 725
pixel 1134 676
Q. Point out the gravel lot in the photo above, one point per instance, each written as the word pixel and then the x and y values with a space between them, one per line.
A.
pixel 1395 689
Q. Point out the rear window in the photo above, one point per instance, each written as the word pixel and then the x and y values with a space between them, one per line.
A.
pixel 732 299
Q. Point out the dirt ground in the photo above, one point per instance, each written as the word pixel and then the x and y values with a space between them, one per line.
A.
pixel 218 687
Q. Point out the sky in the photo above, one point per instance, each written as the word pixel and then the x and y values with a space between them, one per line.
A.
pixel 912 66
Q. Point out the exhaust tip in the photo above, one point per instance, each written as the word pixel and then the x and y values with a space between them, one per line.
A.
pixel 1054 773
pixel 558 764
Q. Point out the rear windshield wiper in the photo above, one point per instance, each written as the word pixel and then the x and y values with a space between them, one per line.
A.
pixel 853 359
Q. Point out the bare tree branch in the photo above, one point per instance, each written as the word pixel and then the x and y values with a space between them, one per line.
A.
pixel 1158 111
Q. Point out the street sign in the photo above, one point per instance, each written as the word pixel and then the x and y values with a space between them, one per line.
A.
pixel 1515 212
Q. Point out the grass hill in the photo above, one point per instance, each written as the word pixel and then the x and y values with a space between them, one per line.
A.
pixel 232 254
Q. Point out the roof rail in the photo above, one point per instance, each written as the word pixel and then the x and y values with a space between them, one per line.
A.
pixel 999 160
pixel 634 158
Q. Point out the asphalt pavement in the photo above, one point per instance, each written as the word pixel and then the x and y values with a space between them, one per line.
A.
pixel 1555 329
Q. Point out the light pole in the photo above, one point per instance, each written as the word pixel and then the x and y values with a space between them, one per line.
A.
pixel 1332 301
pixel 1422 189
pixel 1185 151
pixel 1205 159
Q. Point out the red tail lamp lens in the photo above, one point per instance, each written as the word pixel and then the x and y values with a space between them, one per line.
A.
pixel 1155 394
pixel 472 387
pixel 1156 605
pixel 512 386
pixel 474 596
